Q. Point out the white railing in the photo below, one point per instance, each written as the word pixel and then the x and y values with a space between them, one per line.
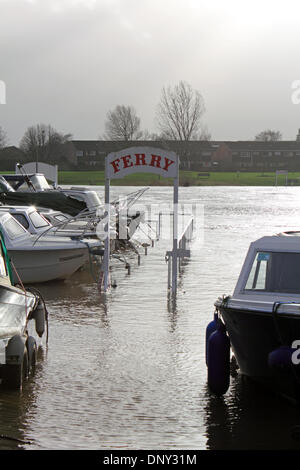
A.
pixel 181 252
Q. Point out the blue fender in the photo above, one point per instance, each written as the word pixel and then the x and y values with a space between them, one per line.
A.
pixel 218 361
pixel 281 357
pixel 211 328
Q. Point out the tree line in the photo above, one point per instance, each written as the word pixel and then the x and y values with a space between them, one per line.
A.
pixel 179 116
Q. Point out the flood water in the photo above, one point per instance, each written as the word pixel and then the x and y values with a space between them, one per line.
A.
pixel 128 371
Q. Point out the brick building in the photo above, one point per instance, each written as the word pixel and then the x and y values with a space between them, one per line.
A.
pixel 194 155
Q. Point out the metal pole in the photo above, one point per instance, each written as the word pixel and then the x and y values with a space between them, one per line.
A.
pixel 175 234
pixel 169 272
pixel 107 233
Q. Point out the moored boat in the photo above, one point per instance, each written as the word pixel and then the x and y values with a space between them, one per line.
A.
pixel 261 319
pixel 42 258
pixel 23 322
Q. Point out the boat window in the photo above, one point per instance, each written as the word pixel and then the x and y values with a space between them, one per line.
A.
pixel 38 220
pixel 61 218
pixel 40 183
pixel 22 219
pixel 275 272
pixel 257 277
pixel 94 199
pixel 77 197
pixel 5 186
pixel 3 270
pixel 14 229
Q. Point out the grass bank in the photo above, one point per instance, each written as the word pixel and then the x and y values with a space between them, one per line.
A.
pixel 187 178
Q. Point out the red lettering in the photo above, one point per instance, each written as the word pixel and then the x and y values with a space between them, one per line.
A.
pixel 126 161
pixel 115 164
pixel 168 163
pixel 140 159
pixel 155 161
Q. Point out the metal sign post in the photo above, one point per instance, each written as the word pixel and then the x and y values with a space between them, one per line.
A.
pixel 175 233
pixel 141 160
pixel 106 231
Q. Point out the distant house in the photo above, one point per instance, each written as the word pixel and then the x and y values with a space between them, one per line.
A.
pixel 258 155
pixel 194 155
pixel 11 155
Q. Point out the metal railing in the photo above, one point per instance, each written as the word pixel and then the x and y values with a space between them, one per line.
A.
pixel 181 252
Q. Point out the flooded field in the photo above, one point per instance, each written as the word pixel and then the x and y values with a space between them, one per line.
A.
pixel 127 370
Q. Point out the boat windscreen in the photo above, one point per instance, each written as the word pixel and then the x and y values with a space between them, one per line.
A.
pixel 275 272
pixel 13 228
pixel 38 220
pixel 5 186
pixel 39 182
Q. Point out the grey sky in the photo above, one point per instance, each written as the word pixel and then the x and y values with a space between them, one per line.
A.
pixel 67 62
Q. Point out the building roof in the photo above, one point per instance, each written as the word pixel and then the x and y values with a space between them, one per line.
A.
pixel 113 145
pixel 255 145
pixel 12 153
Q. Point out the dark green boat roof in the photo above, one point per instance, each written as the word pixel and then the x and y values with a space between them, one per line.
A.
pixel 50 199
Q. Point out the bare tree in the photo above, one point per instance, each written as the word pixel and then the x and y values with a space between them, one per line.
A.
pixel 269 136
pixel 43 142
pixel 179 113
pixel 146 135
pixel 3 138
pixel 122 123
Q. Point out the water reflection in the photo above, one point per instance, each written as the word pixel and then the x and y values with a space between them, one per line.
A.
pixel 126 370
pixel 251 417
pixel 16 407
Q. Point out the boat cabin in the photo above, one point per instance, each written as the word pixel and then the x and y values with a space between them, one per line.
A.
pixel 270 273
pixel 29 217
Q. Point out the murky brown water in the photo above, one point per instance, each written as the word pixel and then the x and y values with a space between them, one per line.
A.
pixel 128 371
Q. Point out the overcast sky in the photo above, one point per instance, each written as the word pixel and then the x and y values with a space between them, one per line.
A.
pixel 67 62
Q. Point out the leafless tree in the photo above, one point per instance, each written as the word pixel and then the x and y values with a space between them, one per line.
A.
pixel 43 142
pixel 3 138
pixel 122 123
pixel 179 113
pixel 269 136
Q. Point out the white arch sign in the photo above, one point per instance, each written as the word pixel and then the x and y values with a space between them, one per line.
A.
pixel 141 160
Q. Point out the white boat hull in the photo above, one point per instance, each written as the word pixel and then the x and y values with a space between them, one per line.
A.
pixel 35 266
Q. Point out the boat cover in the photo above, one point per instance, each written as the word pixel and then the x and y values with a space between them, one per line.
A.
pixel 50 199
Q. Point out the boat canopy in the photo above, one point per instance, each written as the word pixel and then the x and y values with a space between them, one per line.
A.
pixel 272 265
pixel 50 199
pixel 5 186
